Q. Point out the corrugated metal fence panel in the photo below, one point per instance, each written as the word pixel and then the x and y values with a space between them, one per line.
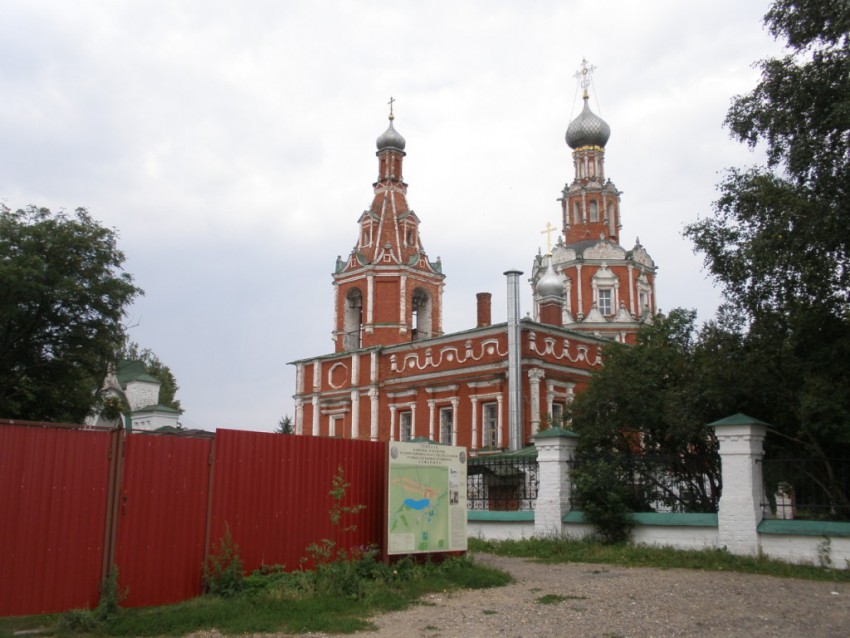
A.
pixel 162 518
pixel 272 491
pixel 53 493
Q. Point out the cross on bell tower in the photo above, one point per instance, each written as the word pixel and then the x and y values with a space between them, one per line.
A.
pixel 607 289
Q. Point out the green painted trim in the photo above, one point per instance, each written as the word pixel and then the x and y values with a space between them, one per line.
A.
pixel 656 519
pixel 677 519
pixel 574 516
pixel 804 528
pixel 479 515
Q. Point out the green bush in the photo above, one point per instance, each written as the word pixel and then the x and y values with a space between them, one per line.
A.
pixel 89 620
pixel 603 496
pixel 223 575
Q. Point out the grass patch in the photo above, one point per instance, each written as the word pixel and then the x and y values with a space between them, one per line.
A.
pixel 550 599
pixel 337 597
pixel 38 625
pixel 547 550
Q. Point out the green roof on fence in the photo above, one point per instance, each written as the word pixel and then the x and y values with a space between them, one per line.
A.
pixel 739 419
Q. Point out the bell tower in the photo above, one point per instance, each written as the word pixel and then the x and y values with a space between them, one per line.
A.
pixel 590 205
pixel 387 291
pixel 605 289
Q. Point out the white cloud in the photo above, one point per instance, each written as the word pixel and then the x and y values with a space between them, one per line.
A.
pixel 232 144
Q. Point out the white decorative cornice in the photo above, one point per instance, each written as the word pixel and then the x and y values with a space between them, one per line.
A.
pixel 449 354
pixel 442 388
pixel 402 393
pixel 484 384
pixel 568 350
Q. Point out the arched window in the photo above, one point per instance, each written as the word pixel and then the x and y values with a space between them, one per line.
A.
pixel 421 314
pixel 353 319
pixel 576 213
pixel 594 211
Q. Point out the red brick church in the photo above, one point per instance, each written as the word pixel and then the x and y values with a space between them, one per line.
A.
pixel 395 375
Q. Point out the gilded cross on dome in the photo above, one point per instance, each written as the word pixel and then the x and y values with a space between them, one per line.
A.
pixel 392 99
pixel 548 233
pixel 584 75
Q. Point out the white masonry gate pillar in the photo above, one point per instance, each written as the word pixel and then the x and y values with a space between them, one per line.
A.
pixel 741 441
pixel 556 448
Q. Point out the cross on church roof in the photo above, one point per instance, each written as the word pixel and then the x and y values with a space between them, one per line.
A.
pixel 548 233
pixel 584 75
pixel 392 99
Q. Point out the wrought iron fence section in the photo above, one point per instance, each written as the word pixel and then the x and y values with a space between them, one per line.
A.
pixel 809 489
pixel 501 484
pixel 655 483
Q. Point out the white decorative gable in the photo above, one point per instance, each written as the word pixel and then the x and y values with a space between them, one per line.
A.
pixel 561 254
pixel 604 276
pixel 640 255
pixel 623 315
pixel 594 316
pixel 604 250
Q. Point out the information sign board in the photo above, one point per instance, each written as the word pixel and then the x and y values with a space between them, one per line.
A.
pixel 427 498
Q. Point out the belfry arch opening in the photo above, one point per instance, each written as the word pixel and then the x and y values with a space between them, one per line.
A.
pixel 421 314
pixel 353 320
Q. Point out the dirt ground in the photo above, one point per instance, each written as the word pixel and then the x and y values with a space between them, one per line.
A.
pixel 607 601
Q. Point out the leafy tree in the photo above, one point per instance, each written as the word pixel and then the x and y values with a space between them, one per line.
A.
pixel 779 240
pixel 780 237
pixel 643 417
pixel 63 297
pixel 158 370
pixel 284 426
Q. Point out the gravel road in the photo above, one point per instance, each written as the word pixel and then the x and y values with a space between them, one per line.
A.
pixel 607 601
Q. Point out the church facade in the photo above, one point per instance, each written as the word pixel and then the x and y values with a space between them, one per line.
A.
pixel 395 375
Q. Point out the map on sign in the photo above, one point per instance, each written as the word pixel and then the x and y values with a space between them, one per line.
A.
pixel 416 514
pixel 427 498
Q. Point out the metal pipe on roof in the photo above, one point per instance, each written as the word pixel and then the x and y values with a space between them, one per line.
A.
pixel 514 381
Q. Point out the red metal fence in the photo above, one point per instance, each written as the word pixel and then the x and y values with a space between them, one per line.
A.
pixel 75 501
pixel 162 518
pixel 53 498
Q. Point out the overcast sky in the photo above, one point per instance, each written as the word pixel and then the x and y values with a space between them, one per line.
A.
pixel 232 145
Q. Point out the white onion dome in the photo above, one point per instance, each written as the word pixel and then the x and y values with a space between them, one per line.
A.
pixel 551 284
pixel 391 139
pixel 588 129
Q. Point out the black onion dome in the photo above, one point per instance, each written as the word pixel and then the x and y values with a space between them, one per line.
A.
pixel 587 129
pixel 391 139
